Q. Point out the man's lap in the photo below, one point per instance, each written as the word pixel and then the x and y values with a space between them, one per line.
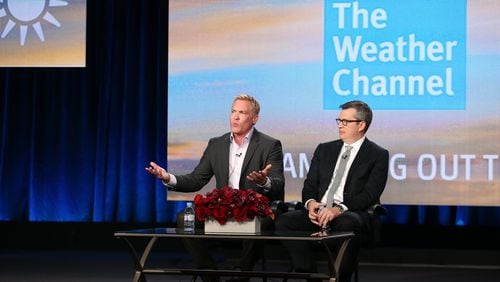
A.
pixel 295 220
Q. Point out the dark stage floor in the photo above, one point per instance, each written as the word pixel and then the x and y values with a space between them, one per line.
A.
pixel 90 252
pixel 406 265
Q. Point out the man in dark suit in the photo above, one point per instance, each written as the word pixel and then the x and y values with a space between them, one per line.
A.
pixel 243 159
pixel 336 196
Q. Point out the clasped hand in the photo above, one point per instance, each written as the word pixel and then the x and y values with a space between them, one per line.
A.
pixel 320 215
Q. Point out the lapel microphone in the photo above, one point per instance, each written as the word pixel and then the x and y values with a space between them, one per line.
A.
pixel 239 154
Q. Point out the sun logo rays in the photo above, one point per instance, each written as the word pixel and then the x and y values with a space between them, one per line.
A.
pixel 26 13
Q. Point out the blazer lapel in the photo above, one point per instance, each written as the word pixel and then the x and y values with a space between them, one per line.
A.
pixel 357 161
pixel 330 154
pixel 254 143
pixel 335 155
pixel 224 163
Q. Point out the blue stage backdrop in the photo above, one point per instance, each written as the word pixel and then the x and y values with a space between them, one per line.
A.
pixel 74 142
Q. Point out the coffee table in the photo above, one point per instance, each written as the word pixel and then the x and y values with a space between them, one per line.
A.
pixel 140 257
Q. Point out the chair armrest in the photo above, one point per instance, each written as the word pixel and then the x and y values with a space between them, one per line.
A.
pixel 282 207
pixel 377 210
pixel 278 207
pixel 372 237
pixel 294 205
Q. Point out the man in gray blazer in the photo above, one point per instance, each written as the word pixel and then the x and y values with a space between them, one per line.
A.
pixel 243 159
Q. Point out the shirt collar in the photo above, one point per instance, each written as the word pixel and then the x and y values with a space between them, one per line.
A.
pixel 247 137
pixel 356 145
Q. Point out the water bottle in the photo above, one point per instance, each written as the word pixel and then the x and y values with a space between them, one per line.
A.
pixel 189 217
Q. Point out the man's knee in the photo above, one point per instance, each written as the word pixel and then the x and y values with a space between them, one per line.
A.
pixel 280 223
pixel 292 220
pixel 283 221
pixel 348 221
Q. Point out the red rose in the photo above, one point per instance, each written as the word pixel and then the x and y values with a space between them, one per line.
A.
pixel 220 214
pixel 199 200
pixel 240 213
pixel 201 213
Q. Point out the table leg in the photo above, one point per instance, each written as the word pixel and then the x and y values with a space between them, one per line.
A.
pixel 140 262
pixel 335 262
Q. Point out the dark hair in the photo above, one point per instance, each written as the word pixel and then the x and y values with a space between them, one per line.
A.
pixel 363 111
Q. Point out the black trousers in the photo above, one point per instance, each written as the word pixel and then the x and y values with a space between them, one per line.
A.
pixel 303 254
pixel 198 248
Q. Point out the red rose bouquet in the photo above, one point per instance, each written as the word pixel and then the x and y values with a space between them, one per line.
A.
pixel 225 203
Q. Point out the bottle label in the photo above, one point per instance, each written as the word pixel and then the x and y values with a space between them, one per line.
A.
pixel 189 217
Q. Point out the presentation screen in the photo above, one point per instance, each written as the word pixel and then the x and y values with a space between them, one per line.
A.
pixel 42 33
pixel 428 69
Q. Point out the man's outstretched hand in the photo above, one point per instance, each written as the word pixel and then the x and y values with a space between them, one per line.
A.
pixel 259 177
pixel 158 172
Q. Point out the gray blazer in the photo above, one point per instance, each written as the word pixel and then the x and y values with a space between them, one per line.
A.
pixel 262 150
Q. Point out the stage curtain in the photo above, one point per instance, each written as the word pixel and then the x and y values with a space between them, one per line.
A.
pixel 75 141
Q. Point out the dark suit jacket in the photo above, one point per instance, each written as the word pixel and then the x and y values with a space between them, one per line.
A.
pixel 365 180
pixel 262 150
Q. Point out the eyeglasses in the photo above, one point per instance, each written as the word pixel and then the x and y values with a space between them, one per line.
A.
pixel 345 122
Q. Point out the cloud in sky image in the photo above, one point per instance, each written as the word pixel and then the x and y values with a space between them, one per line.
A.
pixel 227 34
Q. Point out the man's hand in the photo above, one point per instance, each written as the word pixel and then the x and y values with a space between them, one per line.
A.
pixel 259 177
pixel 327 214
pixel 314 208
pixel 158 171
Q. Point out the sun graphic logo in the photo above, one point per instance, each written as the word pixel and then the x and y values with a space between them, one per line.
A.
pixel 26 13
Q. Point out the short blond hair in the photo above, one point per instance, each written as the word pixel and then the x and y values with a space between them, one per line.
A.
pixel 251 99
